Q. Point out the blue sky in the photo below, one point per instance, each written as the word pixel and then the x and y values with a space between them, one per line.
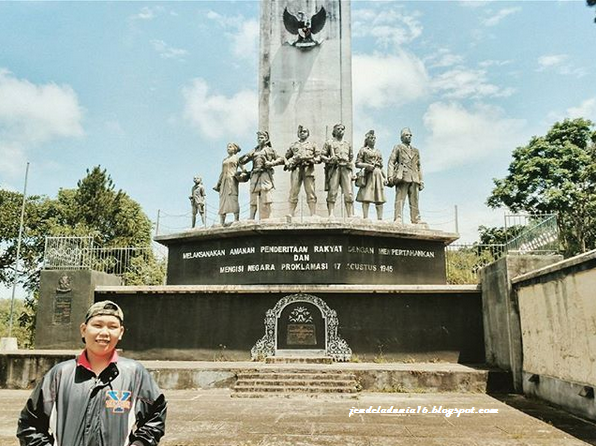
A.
pixel 153 91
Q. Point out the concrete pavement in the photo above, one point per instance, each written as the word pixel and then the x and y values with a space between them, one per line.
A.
pixel 213 418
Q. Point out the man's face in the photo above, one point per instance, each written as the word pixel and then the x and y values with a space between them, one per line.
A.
pixel 101 334
pixel 340 132
pixel 303 134
pixel 406 137
pixel 261 138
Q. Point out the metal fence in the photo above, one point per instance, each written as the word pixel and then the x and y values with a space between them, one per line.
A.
pixel 539 234
pixel 465 261
pixel 81 253
pixel 529 234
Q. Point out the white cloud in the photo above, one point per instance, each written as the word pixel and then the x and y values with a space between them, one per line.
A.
pixel 387 26
pixel 499 16
pixel 33 114
pixel 242 33
pixel 587 109
pixel 13 159
pixel 148 13
pixel 494 63
pixel 560 63
pixel 551 60
pixel 474 3
pixel 216 115
pixel 462 83
pixel 382 80
pixel 444 58
pixel 461 136
pixel 245 41
pixel 168 52
pixel 37 113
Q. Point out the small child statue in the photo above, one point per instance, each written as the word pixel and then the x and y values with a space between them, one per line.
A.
pixel 197 200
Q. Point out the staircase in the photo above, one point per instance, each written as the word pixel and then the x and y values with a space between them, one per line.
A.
pixel 288 381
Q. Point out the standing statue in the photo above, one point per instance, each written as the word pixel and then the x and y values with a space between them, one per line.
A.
pixel 263 158
pixel 404 173
pixel 227 185
pixel 301 158
pixel 338 157
pixel 371 178
pixel 197 200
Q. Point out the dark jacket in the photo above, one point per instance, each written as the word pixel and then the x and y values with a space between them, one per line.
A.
pixel 404 165
pixel 73 407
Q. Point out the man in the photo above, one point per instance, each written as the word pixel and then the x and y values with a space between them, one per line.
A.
pixel 301 158
pixel 338 157
pixel 404 173
pixel 264 159
pixel 197 200
pixel 98 398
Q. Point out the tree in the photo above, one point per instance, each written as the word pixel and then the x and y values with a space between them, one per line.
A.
pixel 556 173
pixel 498 235
pixel 94 208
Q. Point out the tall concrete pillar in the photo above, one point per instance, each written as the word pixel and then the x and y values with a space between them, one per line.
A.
pixel 310 86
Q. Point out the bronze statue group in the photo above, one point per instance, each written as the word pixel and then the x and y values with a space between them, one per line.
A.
pixel 403 172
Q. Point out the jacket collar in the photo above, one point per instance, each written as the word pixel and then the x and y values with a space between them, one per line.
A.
pixel 84 362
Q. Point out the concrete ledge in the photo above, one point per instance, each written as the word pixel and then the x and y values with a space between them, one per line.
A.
pixel 310 224
pixel 581 262
pixel 565 394
pixel 291 289
pixel 24 369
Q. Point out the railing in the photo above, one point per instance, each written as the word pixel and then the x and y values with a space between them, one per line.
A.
pixel 80 253
pixel 540 236
pixel 533 234
pixel 444 219
pixel 465 261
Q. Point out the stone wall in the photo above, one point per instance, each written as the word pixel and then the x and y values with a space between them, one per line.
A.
pixel 64 298
pixel 557 306
pixel 502 336
pixel 391 323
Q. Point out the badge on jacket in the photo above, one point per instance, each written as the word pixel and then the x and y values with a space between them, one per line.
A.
pixel 118 400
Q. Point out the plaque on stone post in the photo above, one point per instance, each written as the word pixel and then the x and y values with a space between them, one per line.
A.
pixel 63 301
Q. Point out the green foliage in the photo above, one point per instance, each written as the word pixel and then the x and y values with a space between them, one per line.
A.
pixel 465 263
pixel 18 330
pixel 556 173
pixel 498 235
pixel 94 208
pixel 146 270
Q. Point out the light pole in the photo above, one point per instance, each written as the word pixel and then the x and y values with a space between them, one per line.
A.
pixel 10 343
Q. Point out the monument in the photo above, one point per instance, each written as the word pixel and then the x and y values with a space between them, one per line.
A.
pixel 320 286
pixel 305 78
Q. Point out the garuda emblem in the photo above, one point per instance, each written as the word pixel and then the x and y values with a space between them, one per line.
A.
pixel 303 27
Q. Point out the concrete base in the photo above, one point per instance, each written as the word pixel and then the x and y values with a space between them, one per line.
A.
pixel 500 310
pixel 8 344
pixel 380 323
pixel 212 418
pixel 64 298
pixel 353 251
pixel 564 394
pixel 22 370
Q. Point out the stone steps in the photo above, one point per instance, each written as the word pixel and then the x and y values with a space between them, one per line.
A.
pixel 254 384
pixel 298 360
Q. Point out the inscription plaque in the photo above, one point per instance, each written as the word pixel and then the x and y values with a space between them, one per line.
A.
pixel 305 257
pixel 301 334
pixel 301 325
pixel 62 308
